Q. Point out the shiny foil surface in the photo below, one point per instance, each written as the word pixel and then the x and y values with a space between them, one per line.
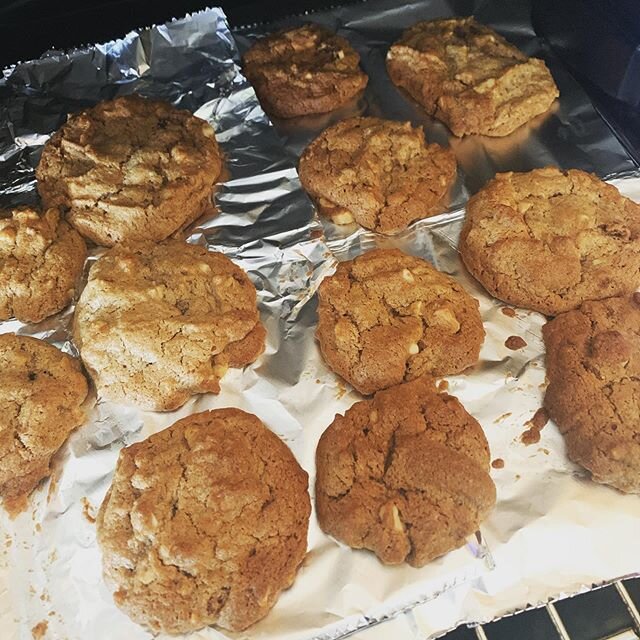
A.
pixel 552 531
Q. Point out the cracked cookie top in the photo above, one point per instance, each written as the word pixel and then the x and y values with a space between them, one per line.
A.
pixel 404 474
pixel 41 393
pixel 469 77
pixel 593 368
pixel 379 173
pixel 158 323
pixel 205 523
pixel 130 169
pixel 387 317
pixel 41 261
pixel 303 71
pixel 548 240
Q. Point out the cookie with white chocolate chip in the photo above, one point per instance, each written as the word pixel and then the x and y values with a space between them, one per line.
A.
pixel 404 474
pixel 41 261
pixel 158 323
pixel 130 169
pixel 386 317
pixel 548 240
pixel 593 366
pixel 470 78
pixel 379 173
pixel 205 523
pixel 304 70
pixel 41 394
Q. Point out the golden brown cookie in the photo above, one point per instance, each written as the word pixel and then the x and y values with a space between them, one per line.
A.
pixel 593 367
pixel 41 393
pixel 205 523
pixel 469 77
pixel 387 317
pixel 130 169
pixel 547 240
pixel 379 173
pixel 41 261
pixel 158 323
pixel 303 71
pixel 404 474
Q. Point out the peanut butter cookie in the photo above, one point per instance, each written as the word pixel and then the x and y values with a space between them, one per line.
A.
pixel 469 77
pixel 548 240
pixel 130 169
pixel 379 173
pixel 41 393
pixel 387 317
pixel 404 474
pixel 303 71
pixel 41 261
pixel 593 367
pixel 158 323
pixel 205 523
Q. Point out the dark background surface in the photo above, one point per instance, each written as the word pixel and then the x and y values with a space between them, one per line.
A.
pixel 594 37
pixel 30 27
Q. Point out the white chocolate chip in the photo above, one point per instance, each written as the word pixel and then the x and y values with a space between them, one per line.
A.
pixel 397 523
pixel 444 318
pixel 145 575
pixel 219 370
pixel 7 236
pixel 407 276
pixel 340 54
pixel 416 308
pixel 389 515
pixel 343 217
pixel 155 293
pixel 414 349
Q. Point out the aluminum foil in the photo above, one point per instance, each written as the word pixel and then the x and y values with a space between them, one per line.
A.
pixel 552 530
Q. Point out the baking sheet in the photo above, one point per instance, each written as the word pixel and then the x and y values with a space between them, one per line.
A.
pixel 266 224
pixel 541 537
pixel 553 531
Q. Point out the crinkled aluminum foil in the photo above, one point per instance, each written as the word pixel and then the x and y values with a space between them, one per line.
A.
pixel 551 531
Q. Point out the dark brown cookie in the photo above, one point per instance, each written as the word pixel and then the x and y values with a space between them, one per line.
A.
pixel 593 367
pixel 469 77
pixel 303 71
pixel 205 523
pixel 404 474
pixel 379 173
pixel 387 317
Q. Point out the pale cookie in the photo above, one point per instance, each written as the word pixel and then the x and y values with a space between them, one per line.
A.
pixel 379 173
pixel 469 77
pixel 302 71
pixel 205 523
pixel 41 261
pixel 404 474
pixel 593 367
pixel 387 317
pixel 547 240
pixel 130 169
pixel 157 324
pixel 41 393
